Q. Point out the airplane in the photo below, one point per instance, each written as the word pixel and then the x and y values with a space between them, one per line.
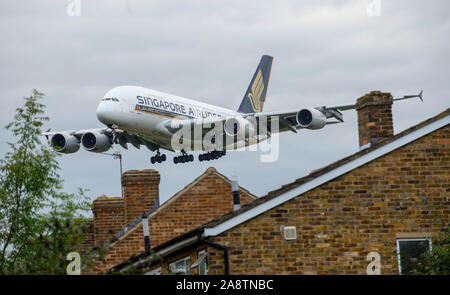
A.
pixel 142 116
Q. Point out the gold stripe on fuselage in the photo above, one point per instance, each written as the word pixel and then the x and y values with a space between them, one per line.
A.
pixel 160 113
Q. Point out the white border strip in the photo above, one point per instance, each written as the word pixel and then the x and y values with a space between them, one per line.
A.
pixel 226 225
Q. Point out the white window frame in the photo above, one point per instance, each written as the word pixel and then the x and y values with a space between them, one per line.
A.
pixel 201 258
pixel 409 240
pixel 187 264
pixel 153 272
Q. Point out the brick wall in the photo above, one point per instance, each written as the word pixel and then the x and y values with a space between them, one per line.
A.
pixel 206 198
pixel 88 236
pixel 108 219
pixel 339 223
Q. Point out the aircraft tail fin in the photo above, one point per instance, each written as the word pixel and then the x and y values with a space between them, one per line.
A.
pixel 254 98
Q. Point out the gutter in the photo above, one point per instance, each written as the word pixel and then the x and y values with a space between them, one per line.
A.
pixel 178 246
pixel 161 253
pixel 220 247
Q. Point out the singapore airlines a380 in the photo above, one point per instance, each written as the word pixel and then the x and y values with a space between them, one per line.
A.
pixel 162 121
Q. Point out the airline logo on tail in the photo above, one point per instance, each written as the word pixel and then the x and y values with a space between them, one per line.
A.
pixel 257 89
pixel 255 96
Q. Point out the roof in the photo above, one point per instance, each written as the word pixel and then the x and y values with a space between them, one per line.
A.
pixel 327 173
pixel 309 182
pixel 157 209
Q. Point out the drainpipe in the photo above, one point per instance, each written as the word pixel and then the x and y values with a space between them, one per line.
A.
pixel 220 247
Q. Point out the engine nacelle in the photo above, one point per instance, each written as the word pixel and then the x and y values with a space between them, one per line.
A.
pixel 96 142
pixel 311 118
pixel 65 143
pixel 240 127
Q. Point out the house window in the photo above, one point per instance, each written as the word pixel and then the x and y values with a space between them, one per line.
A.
pixel 201 263
pixel 408 250
pixel 156 271
pixel 181 266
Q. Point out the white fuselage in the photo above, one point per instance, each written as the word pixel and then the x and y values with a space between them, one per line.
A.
pixel 143 111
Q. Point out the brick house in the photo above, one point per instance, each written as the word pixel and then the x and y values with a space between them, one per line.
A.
pixel 377 202
pixel 117 223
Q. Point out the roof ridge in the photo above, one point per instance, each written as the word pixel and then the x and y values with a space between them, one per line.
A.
pixel 350 157
pixel 158 208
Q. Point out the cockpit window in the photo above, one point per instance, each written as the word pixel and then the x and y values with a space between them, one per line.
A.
pixel 110 99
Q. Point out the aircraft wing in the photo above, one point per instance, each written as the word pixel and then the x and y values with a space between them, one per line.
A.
pixel 123 138
pixel 115 136
pixel 77 133
pixel 287 120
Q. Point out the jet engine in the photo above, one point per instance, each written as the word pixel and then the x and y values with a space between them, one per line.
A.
pixel 240 127
pixel 65 143
pixel 96 142
pixel 311 118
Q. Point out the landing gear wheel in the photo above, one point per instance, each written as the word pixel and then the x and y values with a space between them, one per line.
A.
pixel 184 158
pixel 213 155
pixel 158 158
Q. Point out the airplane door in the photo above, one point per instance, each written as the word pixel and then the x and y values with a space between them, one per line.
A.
pixel 123 103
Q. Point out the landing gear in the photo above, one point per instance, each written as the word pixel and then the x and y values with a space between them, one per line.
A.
pixel 214 155
pixel 184 158
pixel 158 158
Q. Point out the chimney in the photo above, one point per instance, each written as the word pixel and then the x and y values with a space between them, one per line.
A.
pixel 108 218
pixel 141 192
pixel 374 117
pixel 235 192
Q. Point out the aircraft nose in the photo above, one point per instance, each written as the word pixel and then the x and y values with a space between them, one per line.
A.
pixel 104 113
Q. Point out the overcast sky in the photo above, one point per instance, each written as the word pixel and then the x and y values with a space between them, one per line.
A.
pixel 325 53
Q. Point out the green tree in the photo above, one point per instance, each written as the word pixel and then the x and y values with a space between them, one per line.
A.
pixel 438 260
pixel 39 223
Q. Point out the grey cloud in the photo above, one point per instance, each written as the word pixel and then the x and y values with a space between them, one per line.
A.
pixel 326 53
